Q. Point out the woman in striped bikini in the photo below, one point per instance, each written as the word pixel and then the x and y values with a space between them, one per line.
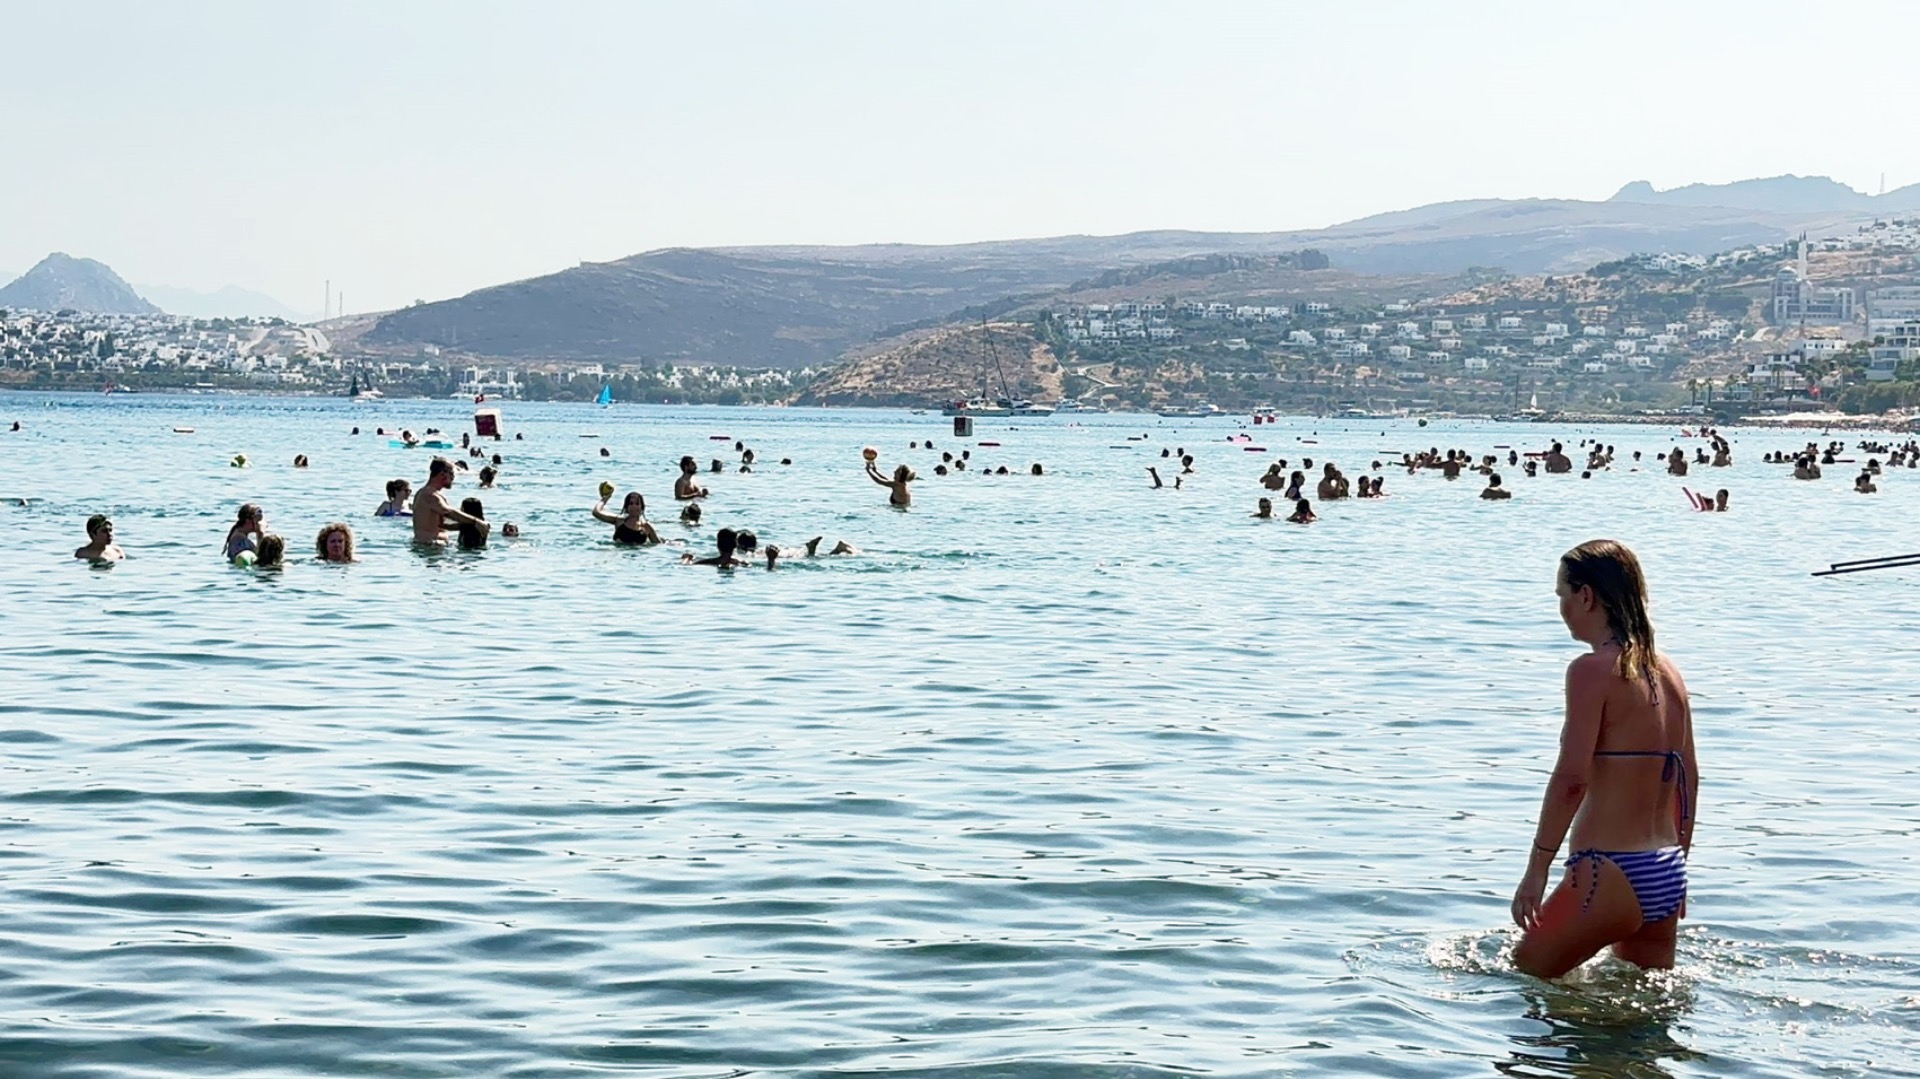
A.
pixel 1625 784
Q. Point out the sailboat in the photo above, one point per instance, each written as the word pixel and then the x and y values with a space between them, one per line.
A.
pixel 606 395
pixel 363 393
pixel 1533 411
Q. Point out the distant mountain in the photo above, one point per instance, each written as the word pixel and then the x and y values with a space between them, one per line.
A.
pixel 1777 194
pixel 61 281
pixel 229 302
pixel 791 306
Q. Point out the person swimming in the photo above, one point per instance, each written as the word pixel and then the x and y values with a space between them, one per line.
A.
pixel 1631 825
pixel 1493 491
pixel 271 553
pixel 247 527
pixel 398 491
pixel 727 540
pixel 630 526
pixel 1303 512
pixel 473 532
pixel 686 488
pixel 900 498
pixel 334 543
pixel 100 546
pixel 1264 510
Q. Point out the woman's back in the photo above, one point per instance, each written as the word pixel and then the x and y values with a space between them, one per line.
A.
pixel 1641 758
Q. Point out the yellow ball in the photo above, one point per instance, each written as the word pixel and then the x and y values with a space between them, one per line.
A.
pixel 606 489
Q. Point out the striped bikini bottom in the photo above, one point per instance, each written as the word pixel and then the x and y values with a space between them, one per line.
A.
pixel 1659 877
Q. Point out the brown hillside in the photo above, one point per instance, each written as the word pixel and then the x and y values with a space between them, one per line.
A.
pixel 946 364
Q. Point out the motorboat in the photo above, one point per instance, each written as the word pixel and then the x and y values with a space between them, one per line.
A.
pixel 1192 412
pixel 978 406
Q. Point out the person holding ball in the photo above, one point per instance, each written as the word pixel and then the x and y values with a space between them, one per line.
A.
pixel 900 498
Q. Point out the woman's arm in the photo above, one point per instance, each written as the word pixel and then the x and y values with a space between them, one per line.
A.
pixel 1567 787
pixel 1573 771
pixel 600 514
pixel 1692 780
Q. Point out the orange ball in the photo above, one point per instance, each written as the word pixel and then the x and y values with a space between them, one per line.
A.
pixel 870 453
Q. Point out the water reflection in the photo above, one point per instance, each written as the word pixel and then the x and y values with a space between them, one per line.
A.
pixel 1611 1023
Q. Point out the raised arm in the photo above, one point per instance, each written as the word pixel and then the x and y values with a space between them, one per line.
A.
pixel 600 514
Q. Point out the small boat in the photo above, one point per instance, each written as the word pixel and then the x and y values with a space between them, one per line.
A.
pixel 606 395
pixel 1192 412
pixel 977 406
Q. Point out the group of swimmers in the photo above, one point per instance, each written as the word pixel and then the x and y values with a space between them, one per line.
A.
pixel 1334 484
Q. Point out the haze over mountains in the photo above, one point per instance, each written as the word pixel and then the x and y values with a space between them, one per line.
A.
pixel 790 305
pixel 61 281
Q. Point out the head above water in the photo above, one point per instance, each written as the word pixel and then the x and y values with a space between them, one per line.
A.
pixel 99 523
pixel 438 468
pixel 1603 596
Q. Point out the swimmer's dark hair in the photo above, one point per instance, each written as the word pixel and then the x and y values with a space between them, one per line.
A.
pixel 394 487
pixel 729 541
pixel 97 522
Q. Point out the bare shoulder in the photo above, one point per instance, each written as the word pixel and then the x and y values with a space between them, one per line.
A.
pixel 1670 676
pixel 1589 670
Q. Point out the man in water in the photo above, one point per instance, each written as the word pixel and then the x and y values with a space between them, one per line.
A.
pixel 1493 491
pixel 100 546
pixel 434 512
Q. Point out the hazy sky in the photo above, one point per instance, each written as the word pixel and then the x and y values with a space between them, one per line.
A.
pixel 421 149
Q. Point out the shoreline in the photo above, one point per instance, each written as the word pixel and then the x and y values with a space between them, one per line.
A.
pixel 1785 421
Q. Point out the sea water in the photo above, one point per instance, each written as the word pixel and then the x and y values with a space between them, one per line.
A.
pixel 1061 776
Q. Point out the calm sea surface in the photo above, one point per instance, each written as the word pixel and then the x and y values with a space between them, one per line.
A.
pixel 1062 776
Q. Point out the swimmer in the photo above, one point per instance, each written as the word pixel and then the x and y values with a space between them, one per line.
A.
pixel 398 491
pixel 726 540
pixel 433 512
pixel 1294 483
pixel 717 466
pixel 1556 460
pixel 1303 512
pixel 684 488
pixel 839 547
pixel 248 526
pixel 1265 510
pixel 1329 486
pixel 1036 470
pixel 1677 462
pixel 335 542
pixel 299 460
pixel 900 498
pixel 272 552
pixel 1720 500
pixel 100 546
pixel 1625 783
pixel 473 537
pixel 630 525
pixel 690 514
pixel 1273 480
pixel 510 530
pixel 487 475
pixel 1493 490
pixel 1864 484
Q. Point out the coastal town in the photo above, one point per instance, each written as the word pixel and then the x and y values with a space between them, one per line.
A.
pixel 1820 324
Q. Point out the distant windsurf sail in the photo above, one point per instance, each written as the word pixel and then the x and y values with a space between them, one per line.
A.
pixel 606 395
